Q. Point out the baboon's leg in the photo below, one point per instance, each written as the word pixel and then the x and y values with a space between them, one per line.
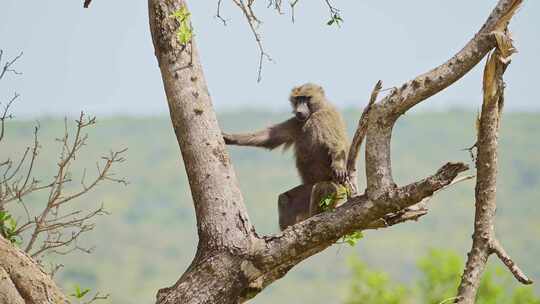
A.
pixel 322 191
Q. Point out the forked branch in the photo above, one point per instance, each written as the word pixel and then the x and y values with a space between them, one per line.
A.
pixel 384 199
pixel 485 242
pixel 385 113
pixel 358 138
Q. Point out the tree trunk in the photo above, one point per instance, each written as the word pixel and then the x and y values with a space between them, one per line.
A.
pixel 22 281
pixel 216 274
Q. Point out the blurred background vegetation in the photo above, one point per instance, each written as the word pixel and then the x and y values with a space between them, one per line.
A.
pixel 150 236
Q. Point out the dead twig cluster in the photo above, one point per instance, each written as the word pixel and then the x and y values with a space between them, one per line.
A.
pixel 247 9
pixel 52 223
pixel 54 227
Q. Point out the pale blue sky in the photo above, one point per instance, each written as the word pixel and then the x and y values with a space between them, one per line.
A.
pixel 101 59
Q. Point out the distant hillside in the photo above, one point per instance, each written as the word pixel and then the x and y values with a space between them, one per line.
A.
pixel 150 237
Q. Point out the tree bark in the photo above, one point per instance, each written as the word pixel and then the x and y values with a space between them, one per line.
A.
pixel 484 240
pixel 22 280
pixel 225 232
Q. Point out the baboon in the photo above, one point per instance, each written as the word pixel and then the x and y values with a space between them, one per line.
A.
pixel 317 133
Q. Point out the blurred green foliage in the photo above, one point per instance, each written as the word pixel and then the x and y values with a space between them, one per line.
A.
pixel 374 287
pixel 150 237
pixel 440 273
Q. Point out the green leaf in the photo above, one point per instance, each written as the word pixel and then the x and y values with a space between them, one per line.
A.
pixel 353 238
pixel 11 224
pixel 184 33
pixel 8 228
pixel 327 201
pixel 80 293
pixel 4 216
pixel 336 18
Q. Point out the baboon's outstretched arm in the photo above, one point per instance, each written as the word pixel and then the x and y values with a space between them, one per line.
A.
pixel 269 138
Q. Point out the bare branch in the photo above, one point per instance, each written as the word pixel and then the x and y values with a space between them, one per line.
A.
pixel 293 6
pixel 497 248
pixel 334 13
pixel 428 84
pixel 8 65
pixel 385 113
pixel 485 242
pixel 253 22
pixel 218 13
pixel 358 138
pixel 414 212
pixel 50 221
pixel 323 230
pixel 6 115
pixel 97 297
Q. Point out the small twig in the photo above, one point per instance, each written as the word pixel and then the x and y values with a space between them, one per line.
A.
pixel 293 6
pixel 276 5
pixel 6 115
pixel 471 152
pixel 55 269
pixel 448 300
pixel 334 13
pixel 253 21
pixel 496 248
pixel 218 13
pixel 50 222
pixel 97 297
pixel 7 66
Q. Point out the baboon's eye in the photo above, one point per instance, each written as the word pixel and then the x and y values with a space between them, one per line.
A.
pixel 303 98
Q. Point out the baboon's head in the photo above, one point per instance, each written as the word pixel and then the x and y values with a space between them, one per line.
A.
pixel 306 100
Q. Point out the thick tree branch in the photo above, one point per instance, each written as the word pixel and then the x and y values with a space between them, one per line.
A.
pixel 484 239
pixel 384 114
pixel 323 230
pixel 358 138
pixel 439 78
pixel 22 280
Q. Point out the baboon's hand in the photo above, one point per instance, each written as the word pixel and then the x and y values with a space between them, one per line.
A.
pixel 340 175
pixel 229 140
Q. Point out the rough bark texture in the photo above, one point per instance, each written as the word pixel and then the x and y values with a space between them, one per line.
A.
pixel 215 276
pixel 233 263
pixel 22 281
pixel 484 240
pixel 358 138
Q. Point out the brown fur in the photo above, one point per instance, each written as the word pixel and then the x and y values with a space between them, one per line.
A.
pixel 319 141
